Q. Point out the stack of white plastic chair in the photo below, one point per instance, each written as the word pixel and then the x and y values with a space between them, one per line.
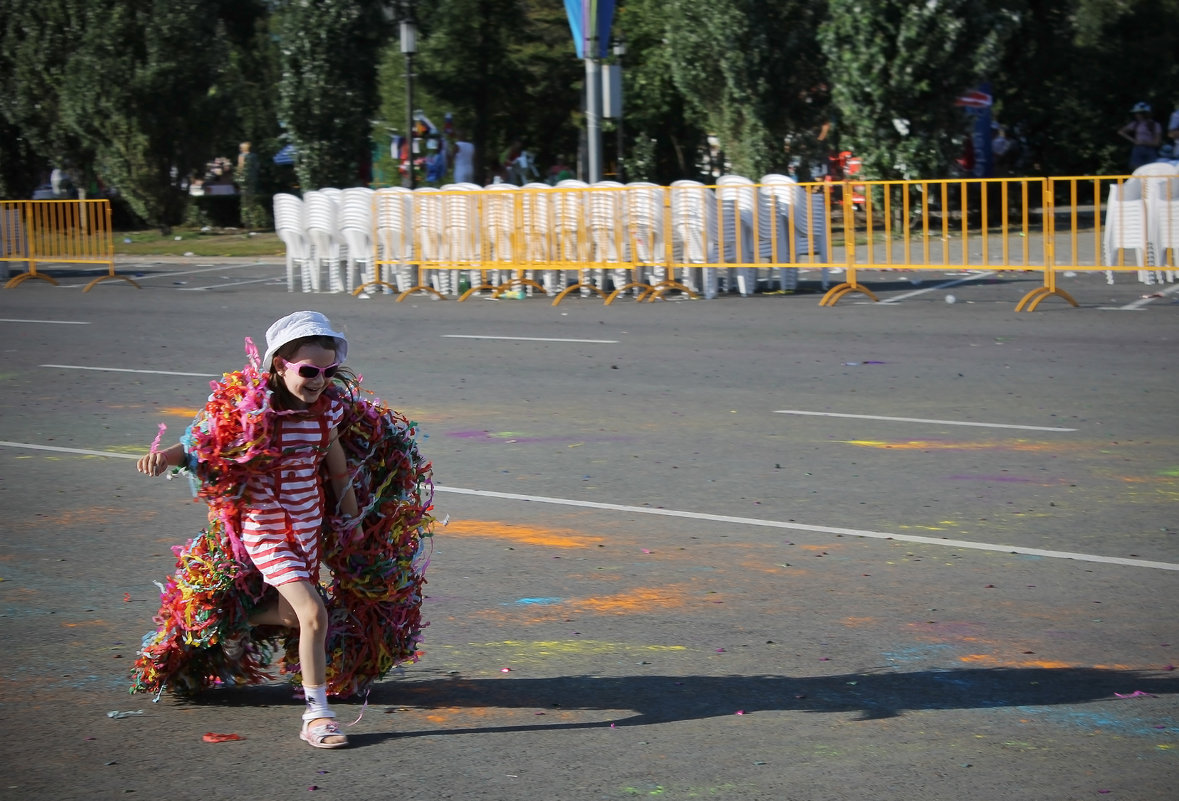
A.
pixel 693 226
pixel 356 230
pixel 644 223
pixel 537 233
pixel 606 216
pixel 291 227
pixel 571 239
pixel 337 195
pixel 793 224
pixel 427 235
pixel 738 204
pixel 499 228
pixel 1125 226
pixel 1164 232
pixel 1156 178
pixel 323 229
pixel 461 226
pixel 394 218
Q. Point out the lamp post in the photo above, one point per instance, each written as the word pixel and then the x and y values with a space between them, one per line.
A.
pixel 619 52
pixel 409 46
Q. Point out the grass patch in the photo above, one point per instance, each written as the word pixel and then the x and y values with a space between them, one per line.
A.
pixel 199 242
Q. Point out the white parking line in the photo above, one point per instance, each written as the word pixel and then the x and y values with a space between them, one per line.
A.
pixel 48 322
pixel 730 519
pixel 534 339
pixel 124 370
pixel 922 420
pixel 943 285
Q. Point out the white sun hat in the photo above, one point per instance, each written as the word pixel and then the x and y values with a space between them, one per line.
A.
pixel 296 326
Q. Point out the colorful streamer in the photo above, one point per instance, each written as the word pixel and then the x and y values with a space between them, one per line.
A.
pixel 375 564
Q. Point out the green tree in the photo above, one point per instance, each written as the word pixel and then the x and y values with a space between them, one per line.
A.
pixel 327 95
pixel 37 40
pixel 896 67
pixel 665 137
pixel 137 90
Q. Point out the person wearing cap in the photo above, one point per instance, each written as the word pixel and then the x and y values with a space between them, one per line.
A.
pixel 1144 133
pixel 284 506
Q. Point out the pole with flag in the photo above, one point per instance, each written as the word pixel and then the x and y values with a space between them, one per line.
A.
pixel 590 22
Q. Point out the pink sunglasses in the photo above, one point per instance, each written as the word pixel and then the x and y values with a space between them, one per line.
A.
pixel 309 370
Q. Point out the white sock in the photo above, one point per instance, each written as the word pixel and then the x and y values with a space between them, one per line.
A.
pixel 317 705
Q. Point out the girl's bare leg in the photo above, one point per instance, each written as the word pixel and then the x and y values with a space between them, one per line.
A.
pixel 300 600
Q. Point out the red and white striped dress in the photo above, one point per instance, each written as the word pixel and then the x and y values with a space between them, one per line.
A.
pixel 284 507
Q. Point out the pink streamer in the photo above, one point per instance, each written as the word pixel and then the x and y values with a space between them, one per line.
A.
pixel 155 443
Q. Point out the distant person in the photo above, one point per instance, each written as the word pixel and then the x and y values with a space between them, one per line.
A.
pixel 1144 133
pixel 463 157
pixel 1173 131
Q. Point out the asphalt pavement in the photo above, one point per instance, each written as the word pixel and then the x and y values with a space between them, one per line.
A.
pixel 748 548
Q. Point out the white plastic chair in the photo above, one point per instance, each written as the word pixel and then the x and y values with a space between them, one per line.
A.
pixel 499 228
pixel 693 226
pixel 291 227
pixel 1156 195
pixel 394 219
pixel 738 205
pixel 1125 226
pixel 323 229
pixel 606 217
pixel 538 235
pixel 644 224
pixel 356 229
pixel 1164 228
pixel 571 238
pixel 461 225
pixel 428 236
pixel 785 208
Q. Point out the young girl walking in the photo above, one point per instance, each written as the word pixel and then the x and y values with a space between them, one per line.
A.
pixel 299 471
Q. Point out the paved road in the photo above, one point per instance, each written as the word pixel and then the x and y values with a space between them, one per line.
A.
pixel 738 549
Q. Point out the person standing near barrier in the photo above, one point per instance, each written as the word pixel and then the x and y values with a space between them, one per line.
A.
pixel 1173 131
pixel 463 157
pixel 1144 133
pixel 265 449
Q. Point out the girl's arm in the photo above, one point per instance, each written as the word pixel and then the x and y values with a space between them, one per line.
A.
pixel 158 462
pixel 337 474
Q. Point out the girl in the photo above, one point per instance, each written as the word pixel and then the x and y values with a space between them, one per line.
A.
pixel 264 457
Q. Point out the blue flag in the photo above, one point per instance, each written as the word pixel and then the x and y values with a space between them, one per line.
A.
pixel 590 21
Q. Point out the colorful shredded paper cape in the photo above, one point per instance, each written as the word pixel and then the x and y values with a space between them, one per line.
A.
pixel 374 566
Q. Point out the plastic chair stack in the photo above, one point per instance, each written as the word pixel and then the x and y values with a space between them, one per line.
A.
pixel 291 227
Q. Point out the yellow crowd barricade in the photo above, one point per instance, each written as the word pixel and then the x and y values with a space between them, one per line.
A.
pixel 644 240
pixel 57 231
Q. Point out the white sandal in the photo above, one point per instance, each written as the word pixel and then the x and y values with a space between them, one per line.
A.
pixel 317 736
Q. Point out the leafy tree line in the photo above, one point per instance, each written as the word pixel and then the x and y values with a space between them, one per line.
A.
pixel 137 95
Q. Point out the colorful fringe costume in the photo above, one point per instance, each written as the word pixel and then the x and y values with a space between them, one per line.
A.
pixel 372 586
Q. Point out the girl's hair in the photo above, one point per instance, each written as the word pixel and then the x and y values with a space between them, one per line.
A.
pixel 282 397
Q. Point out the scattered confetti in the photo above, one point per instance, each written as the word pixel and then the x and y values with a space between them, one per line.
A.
pixel 740 711
pixel 1136 694
pixel 213 737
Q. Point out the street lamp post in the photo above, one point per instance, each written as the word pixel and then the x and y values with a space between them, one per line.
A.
pixel 409 46
pixel 619 52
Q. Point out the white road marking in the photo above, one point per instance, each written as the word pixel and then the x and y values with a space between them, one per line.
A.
pixel 1138 304
pixel 935 287
pixel 850 532
pixel 534 339
pixel 48 322
pixel 922 420
pixel 730 519
pixel 125 370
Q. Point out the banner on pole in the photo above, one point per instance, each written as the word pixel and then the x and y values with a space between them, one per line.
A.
pixel 590 21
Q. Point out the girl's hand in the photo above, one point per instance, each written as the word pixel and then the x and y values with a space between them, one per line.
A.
pixel 153 464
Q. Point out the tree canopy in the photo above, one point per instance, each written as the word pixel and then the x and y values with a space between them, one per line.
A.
pixel 137 95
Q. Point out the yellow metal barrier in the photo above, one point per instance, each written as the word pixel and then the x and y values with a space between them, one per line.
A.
pixel 57 231
pixel 739 236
